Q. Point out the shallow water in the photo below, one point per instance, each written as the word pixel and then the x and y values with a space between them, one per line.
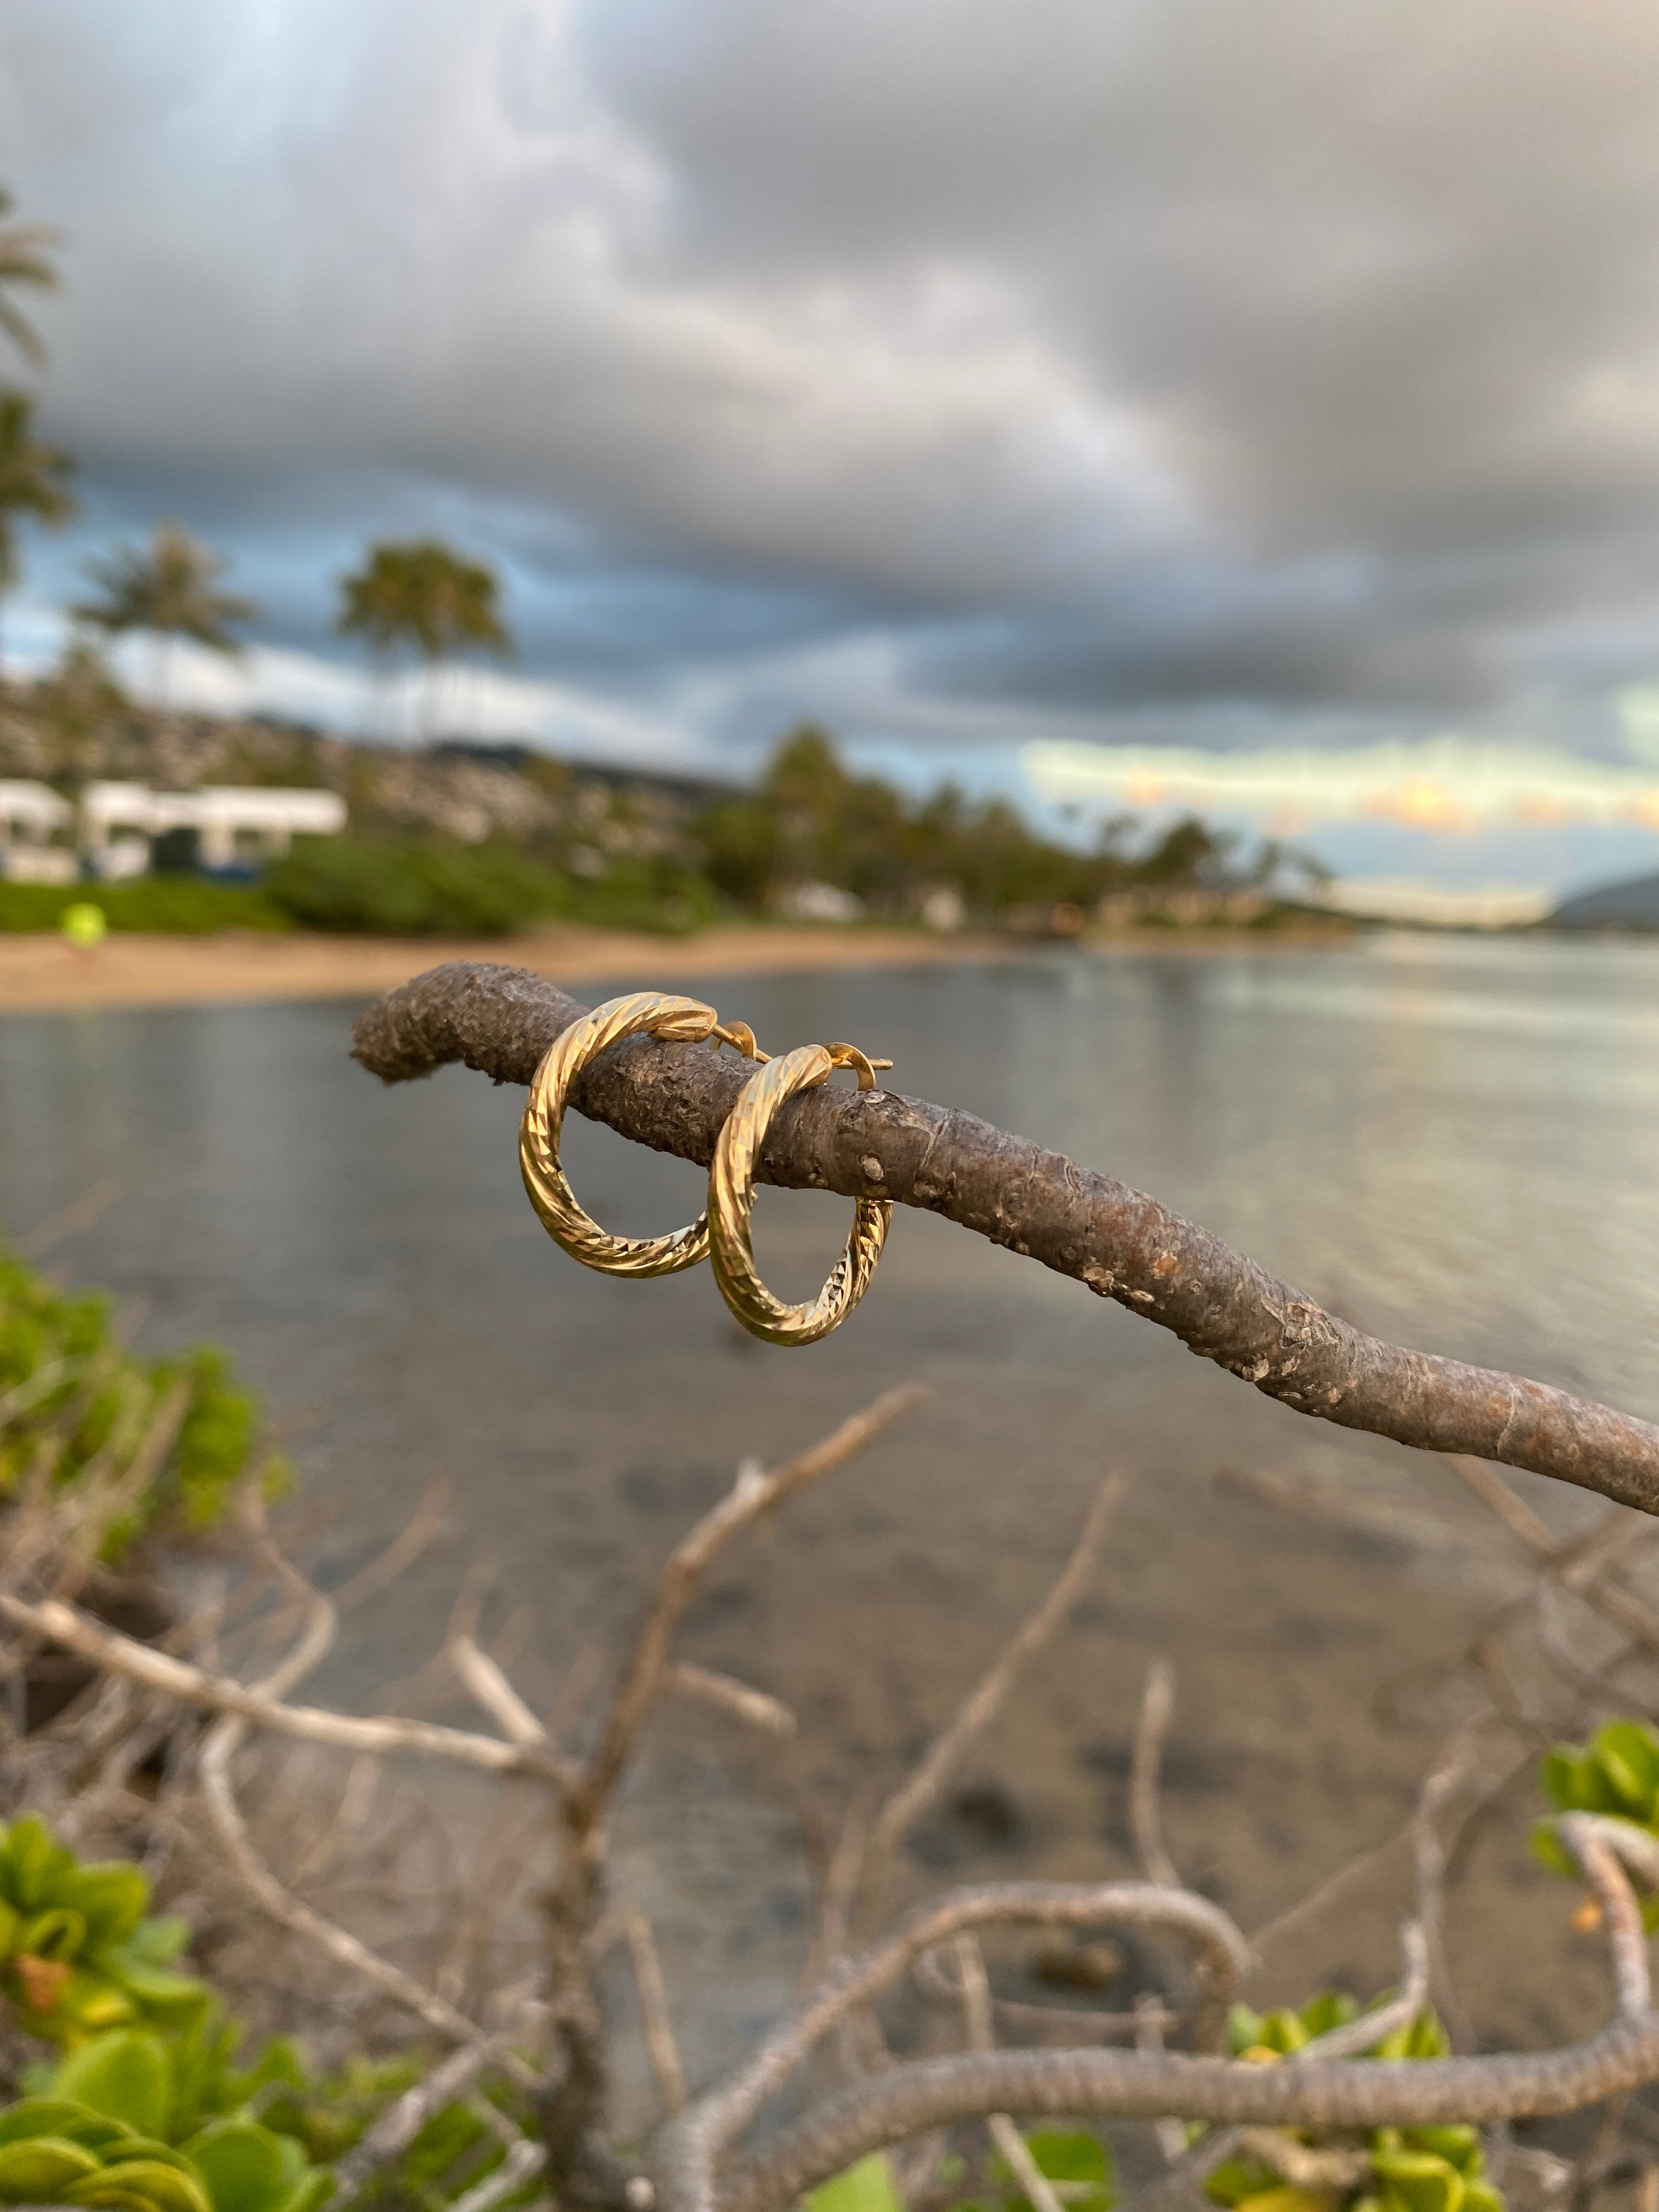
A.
pixel 1454 1143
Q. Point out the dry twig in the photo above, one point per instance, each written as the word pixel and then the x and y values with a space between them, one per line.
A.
pixel 654 2006
pixel 195 1685
pixel 1145 1765
pixel 976 2017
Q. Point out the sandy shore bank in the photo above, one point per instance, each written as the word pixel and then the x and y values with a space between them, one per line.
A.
pixel 44 973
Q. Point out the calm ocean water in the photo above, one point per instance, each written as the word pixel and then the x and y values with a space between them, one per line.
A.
pixel 1452 1142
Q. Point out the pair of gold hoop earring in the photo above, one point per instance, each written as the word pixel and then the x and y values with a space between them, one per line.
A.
pixel 721 1233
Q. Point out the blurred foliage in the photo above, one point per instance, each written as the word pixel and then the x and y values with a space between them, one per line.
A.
pixel 190 905
pixel 1073 2157
pixel 78 1956
pixel 81 1412
pixel 147 2108
pixel 1411 2169
pixel 434 886
pixel 1617 1773
pixel 812 820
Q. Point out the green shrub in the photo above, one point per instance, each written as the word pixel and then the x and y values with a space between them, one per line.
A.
pixel 425 887
pixel 74 1400
pixel 146 2108
pixel 654 895
pixel 1616 1772
pixel 1411 2169
pixel 78 1954
pixel 189 905
pixel 412 887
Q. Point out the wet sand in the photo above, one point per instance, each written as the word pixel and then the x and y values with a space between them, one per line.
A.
pixel 43 972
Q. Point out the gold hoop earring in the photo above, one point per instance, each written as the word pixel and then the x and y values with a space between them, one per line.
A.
pixel 731 1202
pixel 679 1021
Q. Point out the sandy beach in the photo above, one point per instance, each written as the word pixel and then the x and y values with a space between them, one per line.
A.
pixel 44 973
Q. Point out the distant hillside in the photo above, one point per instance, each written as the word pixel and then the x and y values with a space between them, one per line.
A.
pixel 1633 904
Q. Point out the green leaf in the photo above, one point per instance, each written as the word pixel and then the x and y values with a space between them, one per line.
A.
pixel 241 2164
pixel 1629 1756
pixel 1418 2181
pixel 125 2075
pixel 40 2169
pixel 866 2187
pixel 1549 1849
pixel 1285 2198
pixel 1235 2180
pixel 157 1940
pixel 1558 1775
pixel 1330 2008
pixel 57 1934
pixel 110 1897
pixel 139 2185
pixel 1458 2146
pixel 57 2115
pixel 146 2150
pixel 1244 2028
pixel 173 1997
pixel 32 1864
pixel 1424 2038
pixel 1064 2155
pixel 91 2004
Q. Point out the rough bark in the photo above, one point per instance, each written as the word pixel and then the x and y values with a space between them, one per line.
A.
pixel 1115 1241
pixel 1352 2093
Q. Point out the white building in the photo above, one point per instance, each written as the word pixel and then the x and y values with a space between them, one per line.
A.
pixel 119 821
pixel 37 834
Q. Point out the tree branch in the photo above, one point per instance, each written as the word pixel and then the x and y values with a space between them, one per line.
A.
pixel 690 2144
pixel 1121 1243
pixel 1142 2084
pixel 194 1685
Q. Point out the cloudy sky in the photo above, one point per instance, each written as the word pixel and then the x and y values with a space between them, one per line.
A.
pixel 1269 379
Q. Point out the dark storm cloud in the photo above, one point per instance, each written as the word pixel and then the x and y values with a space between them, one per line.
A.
pixel 1098 355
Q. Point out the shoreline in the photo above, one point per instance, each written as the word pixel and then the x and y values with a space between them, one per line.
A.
pixel 42 973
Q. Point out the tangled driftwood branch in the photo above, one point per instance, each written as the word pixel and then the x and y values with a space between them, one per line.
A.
pixel 1122 1244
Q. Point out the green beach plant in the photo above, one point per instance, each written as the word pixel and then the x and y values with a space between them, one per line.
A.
pixel 148 2107
pixel 79 1952
pixel 134 1439
pixel 1437 2169
pixel 1616 1773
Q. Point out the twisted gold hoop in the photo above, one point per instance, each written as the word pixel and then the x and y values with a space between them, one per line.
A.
pixel 681 1021
pixel 731 1201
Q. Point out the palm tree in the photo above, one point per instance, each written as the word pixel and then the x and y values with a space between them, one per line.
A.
pixel 25 252
pixel 171 590
pixel 80 701
pixel 421 594
pixel 32 482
